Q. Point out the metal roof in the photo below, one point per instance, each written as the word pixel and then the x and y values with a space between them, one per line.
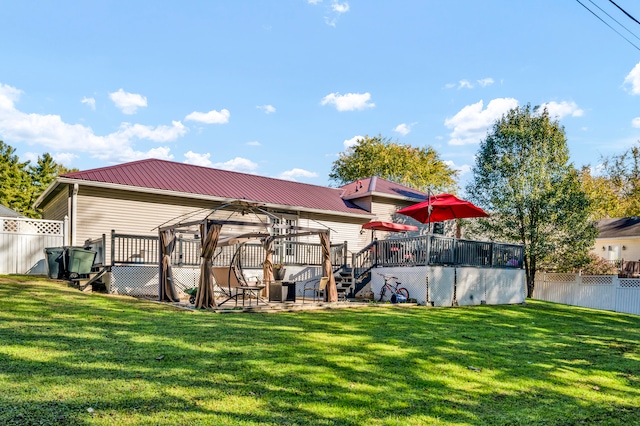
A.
pixel 7 212
pixel 189 179
pixel 370 185
pixel 619 228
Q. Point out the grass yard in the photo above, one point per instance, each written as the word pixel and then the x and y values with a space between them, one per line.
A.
pixel 68 357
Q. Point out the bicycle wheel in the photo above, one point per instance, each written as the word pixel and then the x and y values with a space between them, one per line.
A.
pixel 382 294
pixel 403 291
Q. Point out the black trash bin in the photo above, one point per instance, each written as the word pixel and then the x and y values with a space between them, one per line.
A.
pixel 56 262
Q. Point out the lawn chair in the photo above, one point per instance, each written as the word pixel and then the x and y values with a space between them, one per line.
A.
pixel 318 289
pixel 233 285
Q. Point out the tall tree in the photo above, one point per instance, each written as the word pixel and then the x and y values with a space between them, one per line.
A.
pixel 43 173
pixel 420 168
pixel 615 190
pixel 22 183
pixel 523 177
pixel 15 182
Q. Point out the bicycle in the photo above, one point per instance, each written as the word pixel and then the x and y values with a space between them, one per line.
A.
pixel 398 294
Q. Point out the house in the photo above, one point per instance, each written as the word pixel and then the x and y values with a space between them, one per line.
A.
pixel 137 197
pixel 618 239
pixel 135 200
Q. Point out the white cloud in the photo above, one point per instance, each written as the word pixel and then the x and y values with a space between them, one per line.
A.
pixel 449 85
pixel 198 159
pixel 254 143
pixel 268 109
pixel 349 101
pixel 633 78
pixel 471 123
pixel 89 101
pixel 211 117
pixel 636 122
pixel 465 84
pixel 65 158
pixel 297 173
pixel 486 82
pixel 54 135
pixel 340 7
pixel 562 109
pixel 128 103
pixel 404 129
pixel 156 134
pixel 314 1
pixel 462 170
pixel 238 164
pixel 334 11
pixel 8 95
pixel 348 143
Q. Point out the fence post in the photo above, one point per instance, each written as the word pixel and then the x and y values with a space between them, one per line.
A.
pixel 344 255
pixel 491 252
pixel 65 231
pixel 113 247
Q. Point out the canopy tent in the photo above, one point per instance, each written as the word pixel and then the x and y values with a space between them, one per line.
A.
pixel 211 230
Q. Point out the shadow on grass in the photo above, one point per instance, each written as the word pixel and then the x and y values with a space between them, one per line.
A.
pixel 64 352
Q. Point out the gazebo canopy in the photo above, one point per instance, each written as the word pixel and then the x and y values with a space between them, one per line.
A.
pixel 212 235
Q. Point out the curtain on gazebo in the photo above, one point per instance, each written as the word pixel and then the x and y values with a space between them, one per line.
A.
pixel 205 298
pixel 168 243
pixel 327 270
pixel 267 265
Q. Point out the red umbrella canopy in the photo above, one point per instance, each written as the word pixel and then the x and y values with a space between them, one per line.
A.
pixel 389 226
pixel 442 207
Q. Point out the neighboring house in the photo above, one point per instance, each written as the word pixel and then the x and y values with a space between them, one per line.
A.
pixel 618 239
pixel 7 212
pixel 135 198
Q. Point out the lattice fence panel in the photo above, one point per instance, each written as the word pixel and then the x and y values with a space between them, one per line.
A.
pixel 597 279
pixel 630 283
pixel 561 278
pixel 32 226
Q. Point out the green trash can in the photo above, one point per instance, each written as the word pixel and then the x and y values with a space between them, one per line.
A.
pixel 80 261
pixel 56 262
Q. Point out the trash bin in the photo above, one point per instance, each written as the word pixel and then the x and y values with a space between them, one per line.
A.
pixel 56 262
pixel 80 261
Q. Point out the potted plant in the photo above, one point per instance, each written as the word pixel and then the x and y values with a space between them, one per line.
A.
pixel 278 271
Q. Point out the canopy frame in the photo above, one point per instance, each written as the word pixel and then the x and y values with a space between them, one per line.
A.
pixel 211 230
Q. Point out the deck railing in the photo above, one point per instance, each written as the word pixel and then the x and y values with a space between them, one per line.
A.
pixel 437 250
pixel 135 249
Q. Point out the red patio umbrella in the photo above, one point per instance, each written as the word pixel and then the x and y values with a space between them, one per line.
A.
pixel 389 226
pixel 442 207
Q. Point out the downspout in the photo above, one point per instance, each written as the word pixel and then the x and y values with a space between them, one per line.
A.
pixel 74 214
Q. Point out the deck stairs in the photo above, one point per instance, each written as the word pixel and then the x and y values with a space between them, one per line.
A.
pixel 92 281
pixel 347 284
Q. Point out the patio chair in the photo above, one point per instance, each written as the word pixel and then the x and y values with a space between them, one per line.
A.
pixel 318 289
pixel 233 285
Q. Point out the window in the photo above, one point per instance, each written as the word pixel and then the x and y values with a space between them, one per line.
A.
pixel 285 248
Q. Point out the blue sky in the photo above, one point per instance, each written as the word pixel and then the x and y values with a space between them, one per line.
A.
pixel 278 88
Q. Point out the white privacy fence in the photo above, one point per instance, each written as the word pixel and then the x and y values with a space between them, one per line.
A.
pixel 606 292
pixel 451 286
pixel 22 243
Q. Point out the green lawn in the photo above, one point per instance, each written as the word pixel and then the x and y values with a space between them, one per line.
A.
pixel 68 357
